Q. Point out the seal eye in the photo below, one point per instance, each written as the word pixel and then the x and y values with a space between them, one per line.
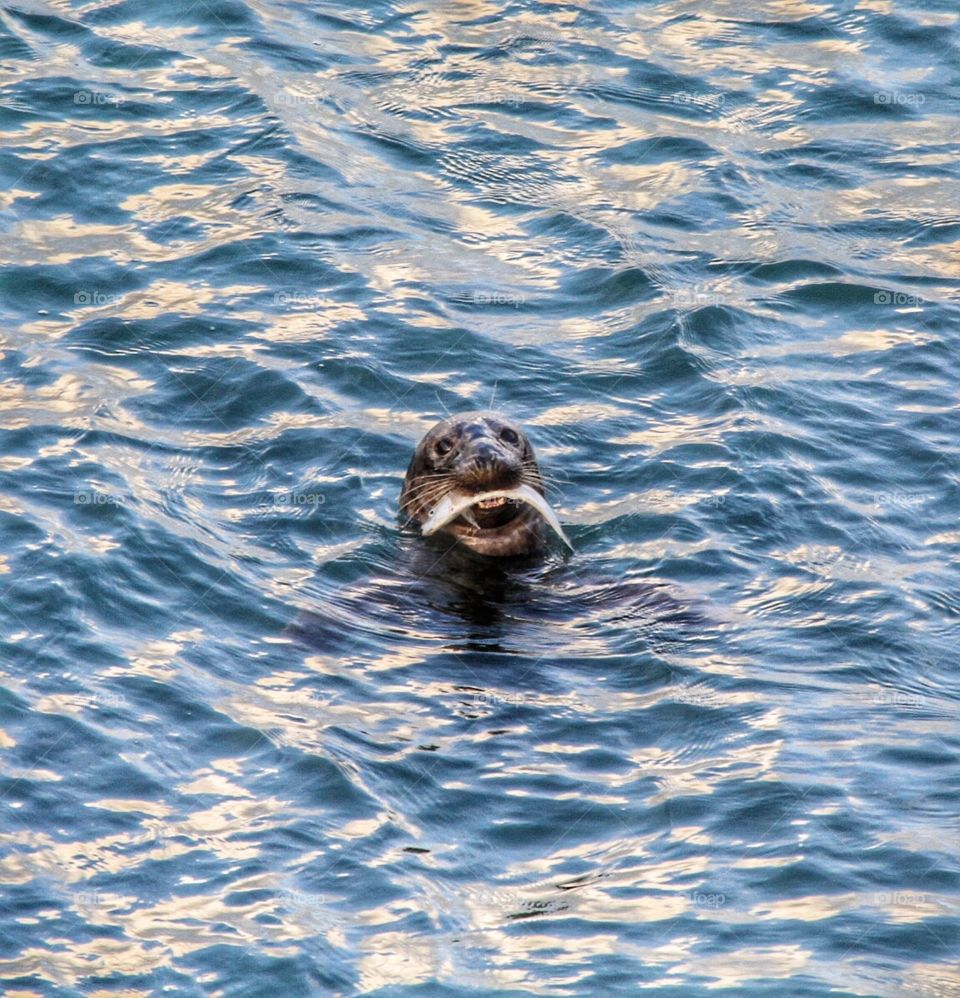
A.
pixel 509 436
pixel 444 446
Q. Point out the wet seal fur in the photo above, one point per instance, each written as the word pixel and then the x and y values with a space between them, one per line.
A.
pixel 475 477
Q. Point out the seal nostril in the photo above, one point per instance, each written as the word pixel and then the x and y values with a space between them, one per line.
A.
pixel 485 455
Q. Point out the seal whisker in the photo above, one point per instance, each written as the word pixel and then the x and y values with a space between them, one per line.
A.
pixel 424 502
pixel 535 477
pixel 531 477
pixel 422 486
pixel 427 495
pixel 531 474
pixel 553 476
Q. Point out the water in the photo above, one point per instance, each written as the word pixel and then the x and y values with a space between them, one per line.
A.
pixel 707 254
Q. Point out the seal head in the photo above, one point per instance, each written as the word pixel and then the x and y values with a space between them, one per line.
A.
pixel 475 476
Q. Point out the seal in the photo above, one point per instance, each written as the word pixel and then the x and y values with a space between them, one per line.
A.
pixel 475 476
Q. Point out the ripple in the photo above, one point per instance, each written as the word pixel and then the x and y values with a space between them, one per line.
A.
pixel 250 729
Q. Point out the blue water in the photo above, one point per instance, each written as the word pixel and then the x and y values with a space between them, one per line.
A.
pixel 708 255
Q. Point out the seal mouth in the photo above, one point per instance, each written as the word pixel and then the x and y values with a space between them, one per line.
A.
pixel 491 513
pixel 500 506
pixel 496 502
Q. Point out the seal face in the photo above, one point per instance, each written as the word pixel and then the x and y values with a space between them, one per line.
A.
pixel 475 476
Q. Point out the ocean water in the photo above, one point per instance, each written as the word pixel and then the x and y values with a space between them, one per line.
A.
pixel 251 743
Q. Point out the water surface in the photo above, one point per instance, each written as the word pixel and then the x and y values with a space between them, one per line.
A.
pixel 707 254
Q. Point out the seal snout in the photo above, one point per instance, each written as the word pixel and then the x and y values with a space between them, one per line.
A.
pixel 488 467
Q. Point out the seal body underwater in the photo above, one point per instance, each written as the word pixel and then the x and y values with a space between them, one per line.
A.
pixel 474 481
pixel 475 477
